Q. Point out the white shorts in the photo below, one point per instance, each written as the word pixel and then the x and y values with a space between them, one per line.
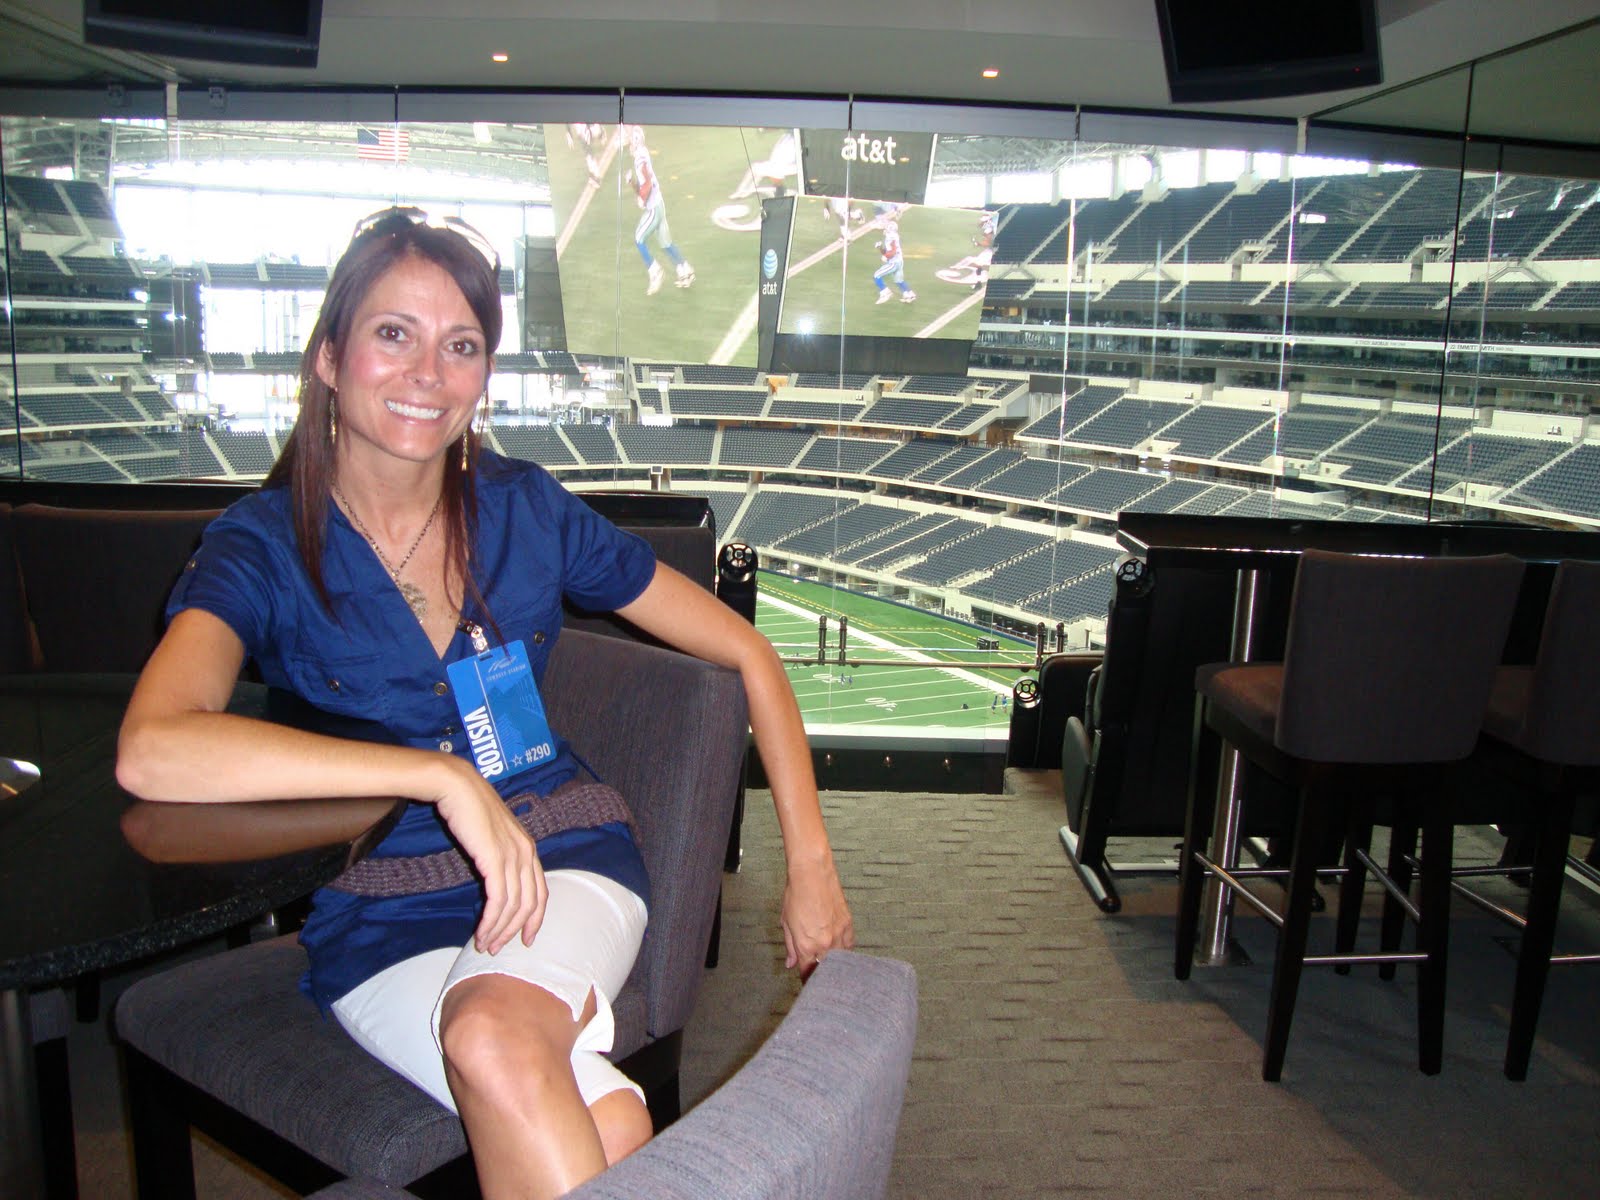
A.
pixel 591 934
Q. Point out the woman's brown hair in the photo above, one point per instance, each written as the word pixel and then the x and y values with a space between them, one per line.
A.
pixel 306 464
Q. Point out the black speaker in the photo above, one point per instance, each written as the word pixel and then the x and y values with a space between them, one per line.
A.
pixel 736 579
pixel 1255 49
pixel 278 33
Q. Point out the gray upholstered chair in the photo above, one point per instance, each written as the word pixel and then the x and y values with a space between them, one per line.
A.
pixel 1384 683
pixel 811 1117
pixel 101 611
pixel 666 730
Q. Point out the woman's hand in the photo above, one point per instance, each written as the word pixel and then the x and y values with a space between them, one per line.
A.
pixel 815 917
pixel 513 880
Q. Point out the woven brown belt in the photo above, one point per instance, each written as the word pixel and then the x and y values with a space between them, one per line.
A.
pixel 573 805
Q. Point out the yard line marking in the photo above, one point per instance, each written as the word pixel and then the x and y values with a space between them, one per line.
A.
pixel 590 190
pixel 938 323
pixel 916 656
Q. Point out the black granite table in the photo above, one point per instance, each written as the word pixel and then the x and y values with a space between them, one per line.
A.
pixel 77 896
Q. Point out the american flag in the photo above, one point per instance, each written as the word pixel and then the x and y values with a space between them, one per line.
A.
pixel 383 145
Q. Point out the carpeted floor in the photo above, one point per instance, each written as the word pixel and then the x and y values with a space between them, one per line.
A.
pixel 1057 1055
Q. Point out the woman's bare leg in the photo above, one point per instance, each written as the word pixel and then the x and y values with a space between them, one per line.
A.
pixel 508 1049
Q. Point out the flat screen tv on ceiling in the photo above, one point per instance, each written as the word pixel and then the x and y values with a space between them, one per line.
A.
pixel 1258 49
pixel 281 33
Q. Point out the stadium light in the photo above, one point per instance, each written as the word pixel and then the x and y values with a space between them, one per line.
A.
pixel 500 56
pixel 991 72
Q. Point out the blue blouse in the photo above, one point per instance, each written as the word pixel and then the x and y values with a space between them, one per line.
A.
pixel 367 670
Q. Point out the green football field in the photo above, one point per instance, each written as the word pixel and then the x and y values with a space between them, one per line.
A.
pixel 963 695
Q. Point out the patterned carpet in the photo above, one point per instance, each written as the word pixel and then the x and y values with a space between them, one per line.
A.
pixel 1057 1055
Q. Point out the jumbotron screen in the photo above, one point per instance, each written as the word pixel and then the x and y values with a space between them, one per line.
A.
pixel 854 278
pixel 658 231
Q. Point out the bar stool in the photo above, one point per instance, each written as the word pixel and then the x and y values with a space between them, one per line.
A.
pixel 1383 686
pixel 1543 725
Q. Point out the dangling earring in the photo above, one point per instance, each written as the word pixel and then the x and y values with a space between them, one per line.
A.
pixel 333 417
pixel 465 445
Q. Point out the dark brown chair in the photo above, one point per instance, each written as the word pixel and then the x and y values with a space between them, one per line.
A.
pixel 1383 687
pixel 1543 729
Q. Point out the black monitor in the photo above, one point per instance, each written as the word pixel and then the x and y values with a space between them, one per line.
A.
pixel 282 33
pixel 1255 49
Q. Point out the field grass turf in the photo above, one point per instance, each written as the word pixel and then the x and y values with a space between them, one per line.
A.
pixel 914 696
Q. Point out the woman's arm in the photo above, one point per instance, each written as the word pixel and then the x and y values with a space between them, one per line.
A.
pixel 179 744
pixel 815 916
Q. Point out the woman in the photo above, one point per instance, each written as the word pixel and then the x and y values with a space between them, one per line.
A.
pixel 390 574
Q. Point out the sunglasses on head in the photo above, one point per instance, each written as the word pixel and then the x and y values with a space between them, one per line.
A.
pixel 411 214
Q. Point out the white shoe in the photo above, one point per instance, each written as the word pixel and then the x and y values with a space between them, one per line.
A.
pixel 906 297
pixel 656 276
pixel 685 274
pixel 884 296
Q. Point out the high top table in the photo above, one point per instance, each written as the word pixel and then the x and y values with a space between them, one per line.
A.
pixel 90 878
pixel 1265 549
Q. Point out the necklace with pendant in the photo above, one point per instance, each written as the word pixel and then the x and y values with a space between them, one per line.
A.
pixel 416 599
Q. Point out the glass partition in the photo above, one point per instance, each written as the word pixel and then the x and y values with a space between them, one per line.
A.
pixel 920 372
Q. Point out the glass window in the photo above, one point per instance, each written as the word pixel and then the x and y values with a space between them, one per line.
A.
pixel 921 373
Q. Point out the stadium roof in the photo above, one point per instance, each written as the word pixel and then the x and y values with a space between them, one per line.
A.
pixel 1089 52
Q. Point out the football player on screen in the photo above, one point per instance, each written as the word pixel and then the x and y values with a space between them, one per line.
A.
pixel 653 221
pixel 973 270
pixel 893 266
pixel 589 136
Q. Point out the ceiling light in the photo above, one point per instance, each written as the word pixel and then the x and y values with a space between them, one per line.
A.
pixel 991 72
pixel 500 56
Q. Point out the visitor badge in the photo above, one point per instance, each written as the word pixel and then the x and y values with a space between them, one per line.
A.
pixel 502 714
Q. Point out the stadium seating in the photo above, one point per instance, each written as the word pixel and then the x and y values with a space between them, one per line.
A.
pixel 978 552
pixel 745 447
pixel 831 537
pixel 1106 491
pixel 248 454
pixel 1086 597
pixel 1581 239
pixel 915 455
pixel 1206 430
pixel 1168 497
pixel 957 456
pixel 1570 484
pixel 731 376
pixel 1388 447
pixel 936 385
pixel 1032 479
pixel 966 415
pixel 773 515
pixel 848 382
pixel 1244 218
pixel 655 445
pixel 535 443
pixel 594 443
pixel 982 467
pixel 908 411
pixel 716 402
pixel 852 455
pixel 1159 227
pixel 1303 433
pixel 943 531
pixel 892 536
pixel 1483 458
pixel 1127 423
pixel 818 411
